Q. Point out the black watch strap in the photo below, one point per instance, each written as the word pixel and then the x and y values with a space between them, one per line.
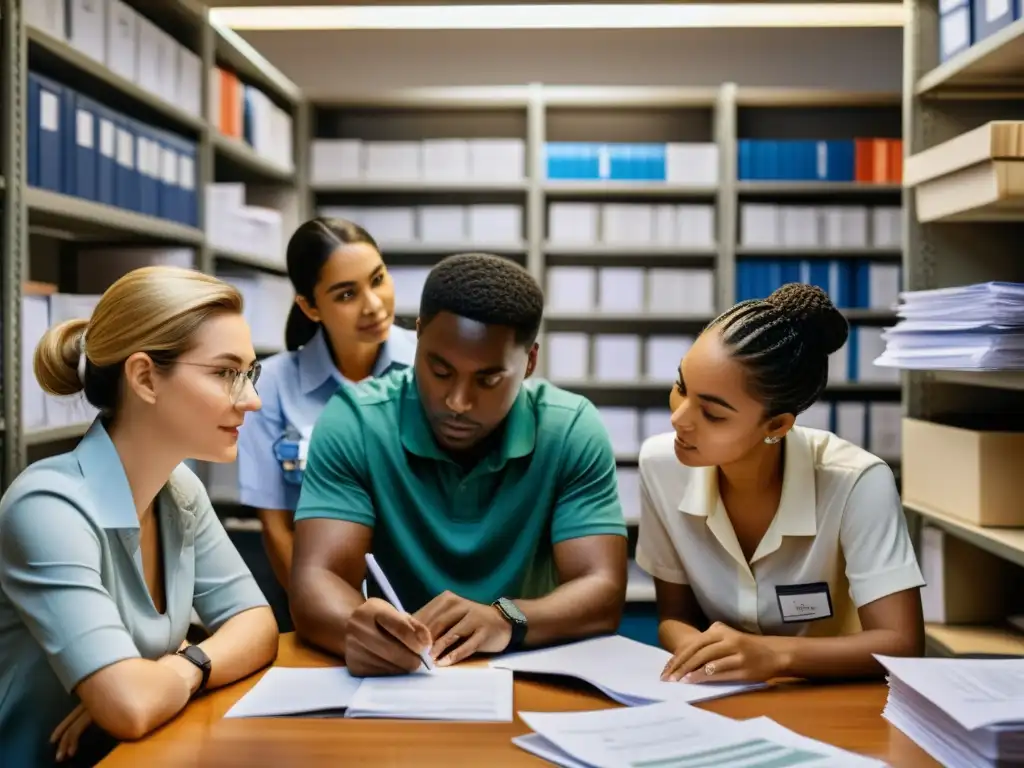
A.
pixel 197 656
pixel 516 618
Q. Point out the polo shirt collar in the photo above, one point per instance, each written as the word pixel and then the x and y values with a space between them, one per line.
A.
pixel 114 505
pixel 518 439
pixel 316 365
pixel 797 514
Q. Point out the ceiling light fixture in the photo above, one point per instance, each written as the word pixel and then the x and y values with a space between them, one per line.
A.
pixel 562 16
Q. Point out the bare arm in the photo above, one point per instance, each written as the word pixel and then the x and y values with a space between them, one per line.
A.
pixel 679 614
pixel 130 698
pixel 278 541
pixel 891 626
pixel 327 573
pixel 590 595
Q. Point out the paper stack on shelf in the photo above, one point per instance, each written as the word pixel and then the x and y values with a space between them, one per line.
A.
pixel 973 327
pixel 673 734
pixel 963 712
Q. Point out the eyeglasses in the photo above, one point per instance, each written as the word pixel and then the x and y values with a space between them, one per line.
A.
pixel 235 379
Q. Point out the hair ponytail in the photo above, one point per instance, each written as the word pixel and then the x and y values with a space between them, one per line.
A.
pixel 299 330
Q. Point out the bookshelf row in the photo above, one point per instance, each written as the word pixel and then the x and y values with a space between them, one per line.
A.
pixel 962 72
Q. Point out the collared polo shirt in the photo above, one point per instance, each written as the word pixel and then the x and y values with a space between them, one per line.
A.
pixel 839 521
pixel 484 533
pixel 73 595
pixel 294 387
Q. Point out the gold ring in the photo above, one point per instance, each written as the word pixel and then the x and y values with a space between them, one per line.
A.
pixel 709 668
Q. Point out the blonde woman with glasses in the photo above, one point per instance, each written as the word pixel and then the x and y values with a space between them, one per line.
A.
pixel 106 550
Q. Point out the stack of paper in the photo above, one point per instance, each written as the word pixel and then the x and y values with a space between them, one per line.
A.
pixel 963 712
pixel 674 734
pixel 974 327
pixel 624 670
pixel 481 695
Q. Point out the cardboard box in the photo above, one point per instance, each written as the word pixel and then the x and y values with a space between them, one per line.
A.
pixel 969 474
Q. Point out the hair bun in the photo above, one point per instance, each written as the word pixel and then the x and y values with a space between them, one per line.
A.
pixel 56 358
pixel 812 311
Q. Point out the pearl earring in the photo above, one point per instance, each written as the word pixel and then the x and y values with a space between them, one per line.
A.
pixel 772 440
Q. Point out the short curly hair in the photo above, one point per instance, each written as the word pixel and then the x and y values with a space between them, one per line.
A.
pixel 784 342
pixel 489 289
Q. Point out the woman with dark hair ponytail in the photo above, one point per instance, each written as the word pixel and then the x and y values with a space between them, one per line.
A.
pixel 339 330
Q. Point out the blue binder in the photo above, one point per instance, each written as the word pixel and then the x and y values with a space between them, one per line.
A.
pixel 51 115
pixel 126 182
pixel 32 159
pixel 106 155
pixel 187 164
pixel 82 143
pixel 147 166
pixel 169 190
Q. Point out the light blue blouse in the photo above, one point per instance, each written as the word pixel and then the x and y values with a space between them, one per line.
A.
pixel 73 595
pixel 294 388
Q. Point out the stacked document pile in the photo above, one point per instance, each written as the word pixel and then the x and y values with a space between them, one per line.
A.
pixel 973 327
pixel 963 712
pixel 677 735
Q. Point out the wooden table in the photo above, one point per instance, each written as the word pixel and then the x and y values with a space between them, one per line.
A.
pixel 848 716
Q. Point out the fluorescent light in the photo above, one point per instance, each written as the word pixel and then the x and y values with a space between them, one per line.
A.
pixel 562 16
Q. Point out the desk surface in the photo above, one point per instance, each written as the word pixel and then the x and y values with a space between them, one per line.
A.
pixel 847 716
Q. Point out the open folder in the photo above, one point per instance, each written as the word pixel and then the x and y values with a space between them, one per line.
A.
pixel 624 670
pixel 474 694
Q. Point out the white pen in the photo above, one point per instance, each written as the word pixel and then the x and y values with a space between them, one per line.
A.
pixel 389 594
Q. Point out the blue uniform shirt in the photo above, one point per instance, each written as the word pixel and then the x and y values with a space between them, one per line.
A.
pixel 295 388
pixel 73 595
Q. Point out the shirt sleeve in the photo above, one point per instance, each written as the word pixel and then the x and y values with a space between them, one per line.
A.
pixel 654 550
pixel 880 558
pixel 260 478
pixel 588 502
pixel 224 585
pixel 336 482
pixel 51 561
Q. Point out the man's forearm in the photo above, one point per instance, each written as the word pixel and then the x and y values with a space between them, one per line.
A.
pixel 322 603
pixel 846 656
pixel 589 605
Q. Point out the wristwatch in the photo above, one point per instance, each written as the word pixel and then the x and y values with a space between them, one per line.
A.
pixel 197 656
pixel 510 611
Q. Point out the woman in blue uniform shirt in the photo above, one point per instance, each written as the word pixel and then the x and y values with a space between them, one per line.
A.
pixel 106 550
pixel 339 330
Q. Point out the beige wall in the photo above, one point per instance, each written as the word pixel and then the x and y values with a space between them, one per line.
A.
pixel 342 63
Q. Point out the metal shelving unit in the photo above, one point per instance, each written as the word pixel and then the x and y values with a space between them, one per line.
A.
pixel 535 110
pixel 941 101
pixel 72 221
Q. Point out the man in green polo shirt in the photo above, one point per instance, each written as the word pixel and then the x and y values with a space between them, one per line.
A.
pixel 489 501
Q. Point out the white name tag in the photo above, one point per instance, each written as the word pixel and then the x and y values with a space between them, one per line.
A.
pixel 804 602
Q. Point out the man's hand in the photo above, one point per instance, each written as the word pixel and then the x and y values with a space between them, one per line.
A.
pixel 474 626
pixel 723 654
pixel 383 641
pixel 70 730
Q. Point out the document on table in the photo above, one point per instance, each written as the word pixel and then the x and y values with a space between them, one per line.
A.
pixel 674 735
pixel 476 694
pixel 466 694
pixel 298 691
pixel 624 670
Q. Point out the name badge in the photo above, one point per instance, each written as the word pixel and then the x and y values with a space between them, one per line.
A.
pixel 804 602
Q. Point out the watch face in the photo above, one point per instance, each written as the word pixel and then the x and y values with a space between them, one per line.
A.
pixel 513 611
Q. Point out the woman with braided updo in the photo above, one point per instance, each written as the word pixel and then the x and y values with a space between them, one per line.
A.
pixel 776 550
